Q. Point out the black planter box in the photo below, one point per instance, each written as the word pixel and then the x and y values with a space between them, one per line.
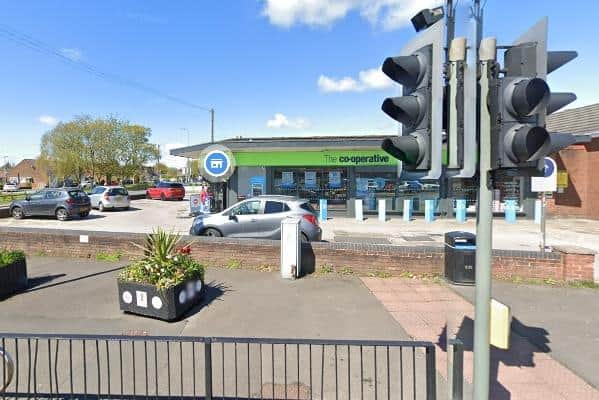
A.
pixel 13 278
pixel 166 304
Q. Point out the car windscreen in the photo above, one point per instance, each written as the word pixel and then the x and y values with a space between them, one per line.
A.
pixel 118 192
pixel 308 207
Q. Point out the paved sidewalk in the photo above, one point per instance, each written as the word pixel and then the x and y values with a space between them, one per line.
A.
pixel 522 235
pixel 525 371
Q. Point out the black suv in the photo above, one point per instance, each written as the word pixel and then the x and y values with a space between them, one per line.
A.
pixel 62 203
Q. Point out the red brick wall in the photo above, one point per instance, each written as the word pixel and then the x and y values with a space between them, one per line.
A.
pixel 563 264
pixel 581 197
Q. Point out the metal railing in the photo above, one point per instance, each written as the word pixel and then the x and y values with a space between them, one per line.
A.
pixel 106 367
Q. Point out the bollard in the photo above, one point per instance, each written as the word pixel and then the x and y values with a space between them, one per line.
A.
pixel 538 211
pixel 323 214
pixel 510 211
pixel 429 210
pixel 359 210
pixel 460 210
pixel 382 210
pixel 407 210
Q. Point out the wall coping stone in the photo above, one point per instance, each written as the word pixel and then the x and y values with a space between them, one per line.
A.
pixel 574 250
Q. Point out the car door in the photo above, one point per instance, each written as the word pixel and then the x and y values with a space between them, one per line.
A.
pixel 48 204
pixel 241 219
pixel 33 204
pixel 270 221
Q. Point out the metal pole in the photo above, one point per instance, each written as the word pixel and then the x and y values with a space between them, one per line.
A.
pixel 543 226
pixel 484 229
pixel 212 125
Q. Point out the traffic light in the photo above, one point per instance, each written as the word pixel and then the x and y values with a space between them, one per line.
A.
pixel 419 110
pixel 521 100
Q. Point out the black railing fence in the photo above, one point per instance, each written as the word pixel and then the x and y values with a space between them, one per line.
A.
pixel 120 367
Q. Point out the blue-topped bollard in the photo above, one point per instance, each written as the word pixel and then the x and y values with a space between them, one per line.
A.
pixel 429 210
pixel 359 210
pixel 322 210
pixel 407 210
pixel 382 210
pixel 510 211
pixel 460 210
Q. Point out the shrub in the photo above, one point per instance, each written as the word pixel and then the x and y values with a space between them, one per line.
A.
pixel 164 264
pixel 10 256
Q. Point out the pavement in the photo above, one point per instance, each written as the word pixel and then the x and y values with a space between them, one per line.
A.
pixel 535 368
pixel 146 215
pixel 80 297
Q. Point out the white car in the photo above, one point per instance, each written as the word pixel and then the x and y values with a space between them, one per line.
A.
pixel 109 197
pixel 10 187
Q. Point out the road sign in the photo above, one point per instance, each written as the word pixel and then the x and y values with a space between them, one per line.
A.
pixel 548 182
pixel 195 204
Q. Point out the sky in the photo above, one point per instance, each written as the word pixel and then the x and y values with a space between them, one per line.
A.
pixel 267 67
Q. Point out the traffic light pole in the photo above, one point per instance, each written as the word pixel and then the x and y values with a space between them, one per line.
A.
pixel 484 230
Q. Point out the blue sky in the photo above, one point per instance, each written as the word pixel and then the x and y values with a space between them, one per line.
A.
pixel 268 67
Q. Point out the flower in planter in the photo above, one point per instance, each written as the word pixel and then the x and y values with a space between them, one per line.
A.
pixel 163 265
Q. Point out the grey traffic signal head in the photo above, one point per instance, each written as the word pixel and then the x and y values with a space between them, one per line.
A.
pixel 419 110
pixel 523 101
pixel 426 18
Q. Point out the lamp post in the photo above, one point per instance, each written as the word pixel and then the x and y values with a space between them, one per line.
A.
pixel 188 174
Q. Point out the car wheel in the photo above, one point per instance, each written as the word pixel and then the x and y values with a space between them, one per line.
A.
pixel 305 238
pixel 17 213
pixel 84 214
pixel 162 197
pixel 101 207
pixel 212 232
pixel 61 214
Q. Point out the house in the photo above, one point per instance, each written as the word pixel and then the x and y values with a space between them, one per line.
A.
pixel 27 171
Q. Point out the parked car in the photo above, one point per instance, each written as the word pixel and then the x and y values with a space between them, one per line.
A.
pixel 410 186
pixel 61 203
pixel 166 191
pixel 110 197
pixel 10 187
pixel 259 217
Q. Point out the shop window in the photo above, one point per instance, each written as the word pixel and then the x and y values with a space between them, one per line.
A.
pixel 313 184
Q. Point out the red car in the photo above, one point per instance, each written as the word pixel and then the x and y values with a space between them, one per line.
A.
pixel 166 191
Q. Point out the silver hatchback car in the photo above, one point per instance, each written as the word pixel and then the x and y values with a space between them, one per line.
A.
pixel 259 217
pixel 110 197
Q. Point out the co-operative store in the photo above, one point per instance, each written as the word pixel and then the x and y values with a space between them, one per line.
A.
pixel 339 169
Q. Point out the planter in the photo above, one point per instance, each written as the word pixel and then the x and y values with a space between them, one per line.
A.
pixel 13 278
pixel 165 304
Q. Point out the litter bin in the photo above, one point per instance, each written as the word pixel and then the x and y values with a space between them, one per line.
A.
pixel 460 257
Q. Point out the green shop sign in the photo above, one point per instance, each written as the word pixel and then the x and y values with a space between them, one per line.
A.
pixel 313 158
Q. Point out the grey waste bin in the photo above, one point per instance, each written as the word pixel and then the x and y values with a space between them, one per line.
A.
pixel 460 257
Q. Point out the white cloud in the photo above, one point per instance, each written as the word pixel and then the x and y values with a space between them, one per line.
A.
pixel 281 121
pixel 389 14
pixel 172 161
pixel 48 120
pixel 72 53
pixel 370 79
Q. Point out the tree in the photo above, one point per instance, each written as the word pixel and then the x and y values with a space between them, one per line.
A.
pixel 99 147
pixel 195 168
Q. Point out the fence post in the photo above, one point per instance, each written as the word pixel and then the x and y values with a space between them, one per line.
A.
pixel 455 369
pixel 208 367
pixel 431 373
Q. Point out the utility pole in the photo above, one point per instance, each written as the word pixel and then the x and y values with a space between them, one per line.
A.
pixel 212 125
pixel 188 174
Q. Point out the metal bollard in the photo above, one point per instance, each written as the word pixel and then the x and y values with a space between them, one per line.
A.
pixel 460 210
pixel 382 210
pixel 510 211
pixel 323 213
pixel 359 210
pixel 429 210
pixel 407 210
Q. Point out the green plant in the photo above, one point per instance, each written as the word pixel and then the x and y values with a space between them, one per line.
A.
pixel 549 281
pixel 584 284
pixel 112 257
pixel 164 264
pixel 233 264
pixel 265 268
pixel 346 271
pixel 325 269
pixel 406 274
pixel 380 274
pixel 40 253
pixel 10 256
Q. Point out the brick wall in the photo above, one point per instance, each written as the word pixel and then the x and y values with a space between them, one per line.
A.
pixel 581 197
pixel 565 263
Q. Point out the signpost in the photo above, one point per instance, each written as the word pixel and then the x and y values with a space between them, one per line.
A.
pixel 544 184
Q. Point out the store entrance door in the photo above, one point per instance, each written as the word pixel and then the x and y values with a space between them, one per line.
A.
pixel 219 196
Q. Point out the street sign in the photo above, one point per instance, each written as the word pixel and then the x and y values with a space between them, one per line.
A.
pixel 548 182
pixel 195 204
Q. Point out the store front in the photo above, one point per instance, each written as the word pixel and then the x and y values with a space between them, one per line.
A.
pixel 338 169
